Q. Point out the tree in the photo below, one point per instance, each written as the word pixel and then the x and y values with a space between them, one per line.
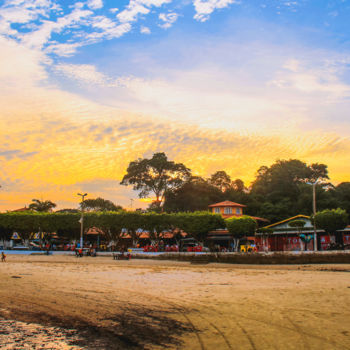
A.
pixel 282 185
pixel 194 195
pixel 156 224
pixel 157 175
pixel 220 180
pixel 240 227
pixel 67 210
pixel 42 206
pixel 199 223
pixel 341 194
pixel 99 204
pixel 332 220
pixel 238 185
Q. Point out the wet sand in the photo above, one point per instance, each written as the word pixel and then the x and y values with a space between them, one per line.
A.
pixel 63 302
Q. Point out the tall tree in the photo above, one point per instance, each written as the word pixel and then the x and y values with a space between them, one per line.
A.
pixel 240 227
pixel 331 221
pixel 99 204
pixel 195 194
pixel 279 187
pixel 155 176
pixel 42 206
pixel 221 180
pixel 341 194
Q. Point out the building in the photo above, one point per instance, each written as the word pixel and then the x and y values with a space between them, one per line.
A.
pixel 227 209
pixel 283 237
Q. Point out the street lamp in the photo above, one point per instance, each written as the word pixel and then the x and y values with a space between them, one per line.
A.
pixel 314 209
pixel 82 218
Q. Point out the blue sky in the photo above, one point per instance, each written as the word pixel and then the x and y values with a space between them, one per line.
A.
pixel 88 86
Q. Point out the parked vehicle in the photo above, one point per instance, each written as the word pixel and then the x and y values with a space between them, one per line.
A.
pixel 247 246
pixel 191 245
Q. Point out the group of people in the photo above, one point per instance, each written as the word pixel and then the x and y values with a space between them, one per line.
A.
pixel 79 252
pixel 161 248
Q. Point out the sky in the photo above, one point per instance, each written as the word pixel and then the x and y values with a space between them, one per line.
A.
pixel 87 87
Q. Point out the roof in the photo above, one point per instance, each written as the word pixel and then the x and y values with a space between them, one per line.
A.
pixel 289 219
pixel 258 219
pixel 20 209
pixel 226 204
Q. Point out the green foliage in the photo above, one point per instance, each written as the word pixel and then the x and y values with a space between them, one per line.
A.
pixel 331 220
pixel 194 195
pixel 99 204
pixel 41 206
pixel 198 193
pixel 67 225
pixel 342 195
pixel 297 223
pixel 199 223
pixel 241 226
pixel 266 230
pixel 281 190
pixel 221 180
pixel 156 175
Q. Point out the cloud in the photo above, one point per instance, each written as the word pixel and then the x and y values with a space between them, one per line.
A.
pixel 61 31
pixel 212 102
pixel 204 8
pixel 168 19
pixel 145 30
pixel 323 80
pixel 10 154
pixel 84 73
pixel 95 4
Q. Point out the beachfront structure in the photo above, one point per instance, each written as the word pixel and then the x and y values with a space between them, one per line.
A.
pixel 227 209
pixel 283 237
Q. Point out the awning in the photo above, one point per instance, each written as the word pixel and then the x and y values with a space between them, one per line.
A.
pixel 220 238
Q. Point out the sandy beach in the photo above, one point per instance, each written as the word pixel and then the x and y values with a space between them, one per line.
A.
pixel 63 302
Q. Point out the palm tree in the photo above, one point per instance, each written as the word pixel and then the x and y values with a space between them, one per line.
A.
pixel 42 206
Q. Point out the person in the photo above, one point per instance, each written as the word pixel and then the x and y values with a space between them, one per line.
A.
pixel 3 257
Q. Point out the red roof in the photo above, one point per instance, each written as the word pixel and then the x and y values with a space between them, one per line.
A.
pixel 227 204
pixel 20 209
pixel 259 219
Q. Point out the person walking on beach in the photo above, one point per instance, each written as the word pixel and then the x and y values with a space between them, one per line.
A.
pixel 3 257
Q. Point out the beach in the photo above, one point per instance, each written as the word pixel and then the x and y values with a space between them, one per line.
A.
pixel 64 302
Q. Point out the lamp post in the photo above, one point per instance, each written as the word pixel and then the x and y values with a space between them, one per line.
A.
pixel 314 211
pixel 82 219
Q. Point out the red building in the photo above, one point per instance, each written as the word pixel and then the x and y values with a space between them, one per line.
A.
pixel 228 209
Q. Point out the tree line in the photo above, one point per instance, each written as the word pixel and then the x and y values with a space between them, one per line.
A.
pixel 280 191
pixel 113 224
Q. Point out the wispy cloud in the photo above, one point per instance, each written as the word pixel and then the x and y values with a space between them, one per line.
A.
pixel 16 153
pixel 168 19
pixel 204 8
pixel 145 30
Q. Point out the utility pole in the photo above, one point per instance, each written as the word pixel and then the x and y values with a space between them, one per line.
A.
pixel 82 219
pixel 314 211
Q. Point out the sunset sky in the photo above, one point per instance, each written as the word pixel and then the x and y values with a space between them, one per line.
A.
pixel 86 87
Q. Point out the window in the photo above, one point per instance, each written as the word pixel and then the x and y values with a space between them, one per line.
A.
pixel 228 210
pixel 238 211
pixel 217 210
